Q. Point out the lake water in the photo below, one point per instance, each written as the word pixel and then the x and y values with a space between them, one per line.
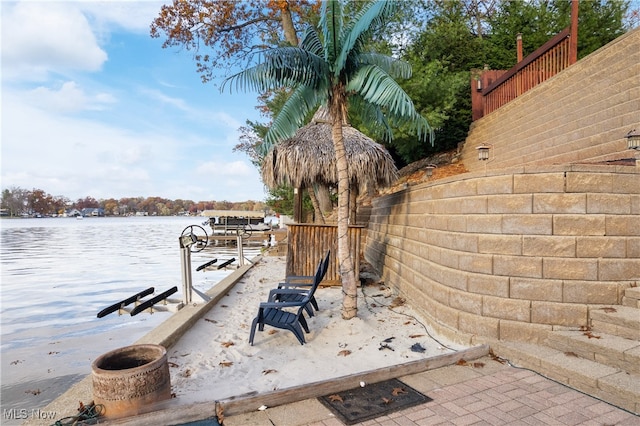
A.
pixel 58 273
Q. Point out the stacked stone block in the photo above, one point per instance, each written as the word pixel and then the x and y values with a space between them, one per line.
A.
pixel 582 114
pixel 513 255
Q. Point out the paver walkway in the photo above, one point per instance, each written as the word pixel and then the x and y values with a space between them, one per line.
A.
pixel 484 392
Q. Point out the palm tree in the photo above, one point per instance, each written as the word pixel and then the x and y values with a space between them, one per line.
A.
pixel 331 68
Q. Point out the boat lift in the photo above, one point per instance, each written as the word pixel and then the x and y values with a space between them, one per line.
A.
pixel 193 239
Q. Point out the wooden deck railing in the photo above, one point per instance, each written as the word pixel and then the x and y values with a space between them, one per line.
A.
pixel 542 64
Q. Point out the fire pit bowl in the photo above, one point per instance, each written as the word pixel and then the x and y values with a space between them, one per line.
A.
pixel 129 380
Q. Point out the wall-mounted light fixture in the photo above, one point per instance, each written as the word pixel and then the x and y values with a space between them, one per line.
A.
pixel 428 170
pixel 633 139
pixel 479 84
pixel 483 152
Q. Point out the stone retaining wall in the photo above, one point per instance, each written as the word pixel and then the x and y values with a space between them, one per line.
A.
pixel 514 253
pixel 582 114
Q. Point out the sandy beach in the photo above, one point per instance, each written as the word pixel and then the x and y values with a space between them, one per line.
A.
pixel 214 361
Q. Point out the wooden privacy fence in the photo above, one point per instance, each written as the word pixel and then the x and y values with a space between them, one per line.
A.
pixel 308 243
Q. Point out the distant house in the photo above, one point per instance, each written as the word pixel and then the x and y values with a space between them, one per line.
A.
pixel 92 212
pixel 73 213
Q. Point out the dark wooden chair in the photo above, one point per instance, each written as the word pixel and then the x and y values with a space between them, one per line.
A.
pixel 277 314
pixel 302 283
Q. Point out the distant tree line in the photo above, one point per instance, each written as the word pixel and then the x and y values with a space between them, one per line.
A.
pixel 18 202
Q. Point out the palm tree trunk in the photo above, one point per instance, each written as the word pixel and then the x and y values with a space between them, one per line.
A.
pixel 318 216
pixel 324 198
pixel 345 260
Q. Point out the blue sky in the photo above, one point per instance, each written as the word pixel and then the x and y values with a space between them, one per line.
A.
pixel 93 106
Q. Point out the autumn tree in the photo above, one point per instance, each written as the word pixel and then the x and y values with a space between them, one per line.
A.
pixel 224 34
pixel 15 200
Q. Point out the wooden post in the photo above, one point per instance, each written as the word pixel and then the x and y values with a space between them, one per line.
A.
pixel 297 205
pixel 519 47
pixel 573 37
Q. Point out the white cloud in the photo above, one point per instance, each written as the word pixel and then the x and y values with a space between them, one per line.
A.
pixel 68 98
pixel 75 158
pixel 157 95
pixel 134 15
pixel 43 37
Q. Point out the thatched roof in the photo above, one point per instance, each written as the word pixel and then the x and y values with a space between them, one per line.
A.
pixel 309 158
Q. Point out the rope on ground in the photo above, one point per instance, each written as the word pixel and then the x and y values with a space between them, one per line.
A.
pixel 88 415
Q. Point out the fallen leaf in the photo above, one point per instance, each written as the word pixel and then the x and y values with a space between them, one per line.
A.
pixel 573 354
pixel 407 323
pixel 385 346
pixel 186 373
pixel 478 364
pixel 172 364
pixel 496 357
pixel 387 401
pixel 272 331
pixel 388 339
pixel 16 362
pixel 398 301
pixel 344 352
pixel 335 398
pixel 609 310
pixel 224 306
pixel 591 335
pixel 415 336
pixel 461 362
pixel 211 321
pixel 398 391
pixel 269 371
pixel 227 344
pixel 226 363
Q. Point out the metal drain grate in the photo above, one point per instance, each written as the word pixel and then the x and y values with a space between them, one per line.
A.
pixel 371 401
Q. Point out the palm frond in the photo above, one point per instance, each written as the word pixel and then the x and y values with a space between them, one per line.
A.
pixel 331 25
pixel 372 116
pixel 372 15
pixel 416 123
pixel 377 87
pixel 283 66
pixel 396 68
pixel 292 115
pixel 311 41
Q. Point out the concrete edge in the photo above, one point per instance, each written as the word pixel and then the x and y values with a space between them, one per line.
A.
pixel 166 334
pixel 171 413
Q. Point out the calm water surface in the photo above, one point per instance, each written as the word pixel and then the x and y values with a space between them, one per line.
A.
pixel 57 274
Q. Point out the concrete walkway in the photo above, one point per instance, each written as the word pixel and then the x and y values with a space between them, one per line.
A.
pixel 484 392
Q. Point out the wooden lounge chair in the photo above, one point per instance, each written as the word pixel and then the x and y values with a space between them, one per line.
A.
pixel 303 283
pixel 275 313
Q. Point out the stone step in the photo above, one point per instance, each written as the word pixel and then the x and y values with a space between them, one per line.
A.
pixel 631 297
pixel 606 349
pixel 622 321
pixel 609 384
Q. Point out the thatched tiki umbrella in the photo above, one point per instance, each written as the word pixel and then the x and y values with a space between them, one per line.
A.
pixel 309 158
